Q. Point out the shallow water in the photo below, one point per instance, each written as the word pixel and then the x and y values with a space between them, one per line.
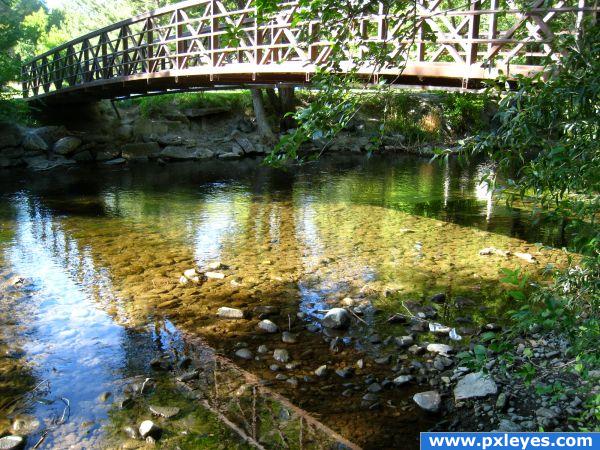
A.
pixel 102 251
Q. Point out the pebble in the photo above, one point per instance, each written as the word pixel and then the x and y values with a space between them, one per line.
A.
pixel 131 432
pixel 374 388
pixel 404 341
pixel 230 313
pixel 281 355
pixel 402 380
pixel 214 275
pixel 474 385
pixel 244 353
pixel 262 349
pixel 383 360
pixel 345 372
pixel 439 298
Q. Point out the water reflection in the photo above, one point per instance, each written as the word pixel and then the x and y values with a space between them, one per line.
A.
pixel 106 253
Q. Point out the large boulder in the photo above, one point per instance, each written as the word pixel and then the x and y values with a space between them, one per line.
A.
pixel 140 151
pixel 66 146
pixel 475 385
pixel 337 318
pixel 32 142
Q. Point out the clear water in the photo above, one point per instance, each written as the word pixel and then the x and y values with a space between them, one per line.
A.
pixel 102 251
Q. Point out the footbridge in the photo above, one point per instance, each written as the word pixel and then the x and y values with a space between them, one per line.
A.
pixel 189 46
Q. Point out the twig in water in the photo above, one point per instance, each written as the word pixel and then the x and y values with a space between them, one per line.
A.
pixel 66 411
pixel 41 439
pixel 354 314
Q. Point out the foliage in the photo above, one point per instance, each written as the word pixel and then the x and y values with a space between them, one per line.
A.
pixel 154 105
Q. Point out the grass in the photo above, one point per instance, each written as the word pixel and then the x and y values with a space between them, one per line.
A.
pixel 151 106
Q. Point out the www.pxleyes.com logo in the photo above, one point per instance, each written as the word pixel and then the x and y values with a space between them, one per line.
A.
pixel 509 441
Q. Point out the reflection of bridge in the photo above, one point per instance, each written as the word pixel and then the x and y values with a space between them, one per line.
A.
pixel 199 44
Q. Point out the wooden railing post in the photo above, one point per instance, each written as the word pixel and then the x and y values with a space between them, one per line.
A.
pixel 104 51
pixel 180 43
pixel 473 33
pixel 493 25
pixel 214 39
pixel 125 49
pixel 24 81
pixel 151 67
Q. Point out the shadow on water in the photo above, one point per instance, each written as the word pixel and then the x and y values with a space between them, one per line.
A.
pixel 105 250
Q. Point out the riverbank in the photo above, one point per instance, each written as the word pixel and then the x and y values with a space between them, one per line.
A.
pixel 196 127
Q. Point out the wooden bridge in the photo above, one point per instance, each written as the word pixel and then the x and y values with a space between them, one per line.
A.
pixel 189 45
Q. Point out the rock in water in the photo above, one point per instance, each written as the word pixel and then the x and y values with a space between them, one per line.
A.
pixel 442 349
pixel 230 313
pixel 337 318
pixel 402 380
pixel 214 275
pixel 288 338
pixel 429 401
pixel 11 442
pixel 267 326
pixel 164 411
pixel 281 355
pixel 244 353
pixel 321 371
pixel 475 385
pixel 148 428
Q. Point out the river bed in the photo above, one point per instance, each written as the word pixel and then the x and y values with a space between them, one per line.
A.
pixel 91 262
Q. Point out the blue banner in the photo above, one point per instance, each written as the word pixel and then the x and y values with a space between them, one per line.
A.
pixel 509 441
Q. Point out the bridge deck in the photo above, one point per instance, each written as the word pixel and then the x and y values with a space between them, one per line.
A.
pixel 190 45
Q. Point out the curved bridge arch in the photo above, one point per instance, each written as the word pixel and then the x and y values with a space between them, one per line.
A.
pixel 186 46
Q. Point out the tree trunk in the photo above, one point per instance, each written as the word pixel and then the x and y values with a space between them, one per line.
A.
pixel 264 129
pixel 287 100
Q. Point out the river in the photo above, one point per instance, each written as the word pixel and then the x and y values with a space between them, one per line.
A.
pixel 99 254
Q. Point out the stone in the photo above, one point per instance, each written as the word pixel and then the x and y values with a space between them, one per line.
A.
pixel 474 385
pixel 262 349
pixel 104 397
pixel 374 388
pixel 404 341
pixel 526 257
pixel 438 328
pixel 501 401
pixel 397 318
pixel 149 429
pixel 321 371
pixel 442 349
pixel 66 146
pixel 50 134
pixel 230 313
pixel 131 432
pixel 244 353
pixel 41 163
pixel 245 125
pixel 383 360
pixel 493 251
pixel 267 326
pixel 402 380
pixel 214 275
pixel 34 143
pixel 416 349
pixel 182 153
pixel 164 411
pixel 140 151
pixel 12 442
pixel 337 318
pixel 83 157
pixel 10 135
pixel 288 338
pixel 348 302
pixel 345 372
pixel 546 413
pixel 188 376
pixel 429 401
pixel 508 426
pixel 114 162
pixel 281 355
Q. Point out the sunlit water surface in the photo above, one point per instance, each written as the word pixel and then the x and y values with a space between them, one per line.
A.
pixel 105 248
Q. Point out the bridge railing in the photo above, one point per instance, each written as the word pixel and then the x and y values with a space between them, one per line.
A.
pixel 204 38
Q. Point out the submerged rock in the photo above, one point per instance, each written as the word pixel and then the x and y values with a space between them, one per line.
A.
pixel 12 442
pixel 337 318
pixel 429 401
pixel 475 385
pixel 281 355
pixel 244 353
pixel 267 326
pixel 214 275
pixel 164 411
pixel 230 313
